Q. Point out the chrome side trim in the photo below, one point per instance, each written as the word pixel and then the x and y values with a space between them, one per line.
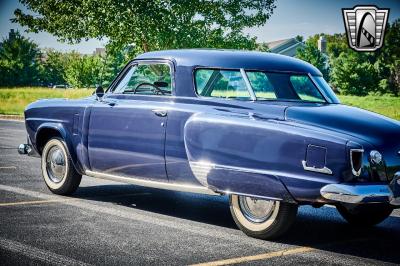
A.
pixel 152 183
pixel 248 84
pixel 356 173
pixel 255 171
pixel 227 192
pixel 324 170
pixel 358 193
pixel 201 170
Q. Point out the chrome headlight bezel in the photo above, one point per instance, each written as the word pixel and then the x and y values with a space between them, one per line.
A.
pixel 356 161
pixel 375 157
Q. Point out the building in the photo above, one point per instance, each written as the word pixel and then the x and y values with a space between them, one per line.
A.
pixel 286 47
pixel 100 51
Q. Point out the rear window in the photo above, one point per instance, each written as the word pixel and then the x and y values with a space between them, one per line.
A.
pixel 283 86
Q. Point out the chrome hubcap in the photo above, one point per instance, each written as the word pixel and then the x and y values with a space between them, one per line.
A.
pixel 55 162
pixel 256 210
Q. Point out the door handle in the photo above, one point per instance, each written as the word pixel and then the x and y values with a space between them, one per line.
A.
pixel 160 113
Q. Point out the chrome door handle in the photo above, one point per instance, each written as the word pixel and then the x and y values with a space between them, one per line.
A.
pixel 160 113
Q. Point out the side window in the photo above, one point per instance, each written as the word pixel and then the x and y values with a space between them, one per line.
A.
pixel 261 85
pixel 305 89
pixel 148 79
pixel 221 84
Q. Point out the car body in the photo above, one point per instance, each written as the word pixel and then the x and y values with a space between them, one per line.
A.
pixel 250 124
pixel 60 86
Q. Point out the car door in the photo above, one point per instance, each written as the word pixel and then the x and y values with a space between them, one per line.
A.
pixel 127 127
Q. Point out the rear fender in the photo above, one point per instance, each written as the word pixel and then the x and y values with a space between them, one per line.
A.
pixel 260 157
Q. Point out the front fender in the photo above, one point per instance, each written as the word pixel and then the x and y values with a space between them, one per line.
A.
pixel 65 135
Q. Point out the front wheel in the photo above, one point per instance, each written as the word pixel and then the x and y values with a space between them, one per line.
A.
pixel 264 219
pixel 57 168
pixel 365 215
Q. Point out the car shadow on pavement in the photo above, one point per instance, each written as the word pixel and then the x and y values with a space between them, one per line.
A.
pixel 325 229
pixel 322 228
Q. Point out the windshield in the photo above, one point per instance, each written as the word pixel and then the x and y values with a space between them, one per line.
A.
pixel 284 86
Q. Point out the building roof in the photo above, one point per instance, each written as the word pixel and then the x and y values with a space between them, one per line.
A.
pixel 232 59
pixel 273 44
pixel 286 47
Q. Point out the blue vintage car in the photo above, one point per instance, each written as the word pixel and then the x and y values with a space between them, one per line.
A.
pixel 265 129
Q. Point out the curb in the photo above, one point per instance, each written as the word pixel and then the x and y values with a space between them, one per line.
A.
pixel 12 117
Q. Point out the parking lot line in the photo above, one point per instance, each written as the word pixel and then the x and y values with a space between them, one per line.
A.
pixel 45 256
pixel 279 253
pixel 8 167
pixel 268 255
pixel 33 202
pixel 144 216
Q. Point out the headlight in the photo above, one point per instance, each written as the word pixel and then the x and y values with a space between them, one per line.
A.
pixel 375 156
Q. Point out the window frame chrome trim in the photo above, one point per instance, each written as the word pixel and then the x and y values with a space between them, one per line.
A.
pixel 121 75
pixel 248 84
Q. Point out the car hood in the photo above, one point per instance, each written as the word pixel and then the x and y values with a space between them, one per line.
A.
pixel 376 129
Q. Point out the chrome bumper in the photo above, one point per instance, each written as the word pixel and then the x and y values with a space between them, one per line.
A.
pixel 349 193
pixel 27 149
pixel 24 148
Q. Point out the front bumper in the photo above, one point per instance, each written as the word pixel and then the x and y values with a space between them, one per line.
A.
pixel 364 193
pixel 28 149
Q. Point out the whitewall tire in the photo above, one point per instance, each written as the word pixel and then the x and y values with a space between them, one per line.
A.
pixel 259 218
pixel 58 171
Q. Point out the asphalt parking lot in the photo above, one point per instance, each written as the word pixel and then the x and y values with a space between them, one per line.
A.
pixel 116 224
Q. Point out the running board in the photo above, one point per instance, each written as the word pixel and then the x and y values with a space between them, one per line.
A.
pixel 152 183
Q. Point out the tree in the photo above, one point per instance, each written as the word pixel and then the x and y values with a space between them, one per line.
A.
pixel 19 58
pixel 149 25
pixel 335 44
pixel 388 60
pixel 353 73
pixel 84 70
pixel 53 67
pixel 312 55
pixel 114 61
pixel 299 38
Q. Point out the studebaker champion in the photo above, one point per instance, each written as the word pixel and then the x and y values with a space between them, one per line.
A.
pixel 265 129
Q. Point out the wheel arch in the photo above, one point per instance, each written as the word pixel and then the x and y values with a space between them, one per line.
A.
pixel 47 131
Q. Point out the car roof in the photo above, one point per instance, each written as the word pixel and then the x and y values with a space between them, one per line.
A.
pixel 233 59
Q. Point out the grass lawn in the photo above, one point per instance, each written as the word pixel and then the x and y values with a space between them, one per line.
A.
pixel 385 105
pixel 14 100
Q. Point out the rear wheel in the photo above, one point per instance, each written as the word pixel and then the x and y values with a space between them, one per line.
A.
pixel 264 219
pixel 57 168
pixel 365 215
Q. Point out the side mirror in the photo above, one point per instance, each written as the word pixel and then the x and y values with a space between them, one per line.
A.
pixel 99 92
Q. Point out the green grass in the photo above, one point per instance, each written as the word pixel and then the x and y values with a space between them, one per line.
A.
pixel 14 100
pixel 385 105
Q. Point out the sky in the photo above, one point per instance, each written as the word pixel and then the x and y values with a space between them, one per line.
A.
pixel 290 18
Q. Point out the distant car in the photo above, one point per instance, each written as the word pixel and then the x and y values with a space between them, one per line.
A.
pixel 265 129
pixel 61 86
